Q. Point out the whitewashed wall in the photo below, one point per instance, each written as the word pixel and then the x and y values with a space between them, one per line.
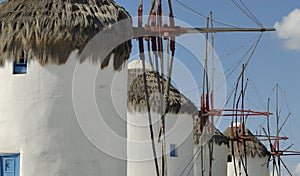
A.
pixel 219 164
pixel 219 158
pixel 140 155
pixel 37 120
pixel 255 166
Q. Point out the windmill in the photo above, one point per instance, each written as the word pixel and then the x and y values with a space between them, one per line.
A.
pixel 155 30
pixel 275 141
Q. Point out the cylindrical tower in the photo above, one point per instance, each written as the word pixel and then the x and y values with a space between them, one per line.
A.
pixel 217 148
pixel 41 41
pixel 178 120
pixel 210 152
pixel 256 159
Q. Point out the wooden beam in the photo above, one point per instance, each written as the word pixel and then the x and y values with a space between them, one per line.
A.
pixel 215 30
pixel 177 30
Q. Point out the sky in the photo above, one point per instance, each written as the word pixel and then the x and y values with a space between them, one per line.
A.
pixel 275 60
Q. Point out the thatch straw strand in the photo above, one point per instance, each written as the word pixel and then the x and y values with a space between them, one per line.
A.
pixel 49 30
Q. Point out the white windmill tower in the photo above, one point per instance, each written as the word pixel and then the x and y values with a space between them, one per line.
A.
pixel 246 155
pixel 210 149
pixel 41 41
pixel 145 157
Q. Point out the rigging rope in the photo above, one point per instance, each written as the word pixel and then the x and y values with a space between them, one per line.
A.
pixel 243 8
pixel 149 53
pixel 256 93
pixel 235 105
pixel 253 16
pixel 204 16
pixel 192 10
pixel 151 10
pixel 235 66
pixel 239 48
pixel 246 64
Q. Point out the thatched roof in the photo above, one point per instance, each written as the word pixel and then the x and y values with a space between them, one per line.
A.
pixel 253 147
pixel 178 103
pixel 219 138
pixel 49 30
pixel 201 137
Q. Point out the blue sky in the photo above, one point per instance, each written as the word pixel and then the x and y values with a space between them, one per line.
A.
pixel 276 59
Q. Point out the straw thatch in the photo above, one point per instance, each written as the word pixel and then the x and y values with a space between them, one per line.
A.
pixel 201 137
pixel 253 147
pixel 219 138
pixel 178 103
pixel 49 30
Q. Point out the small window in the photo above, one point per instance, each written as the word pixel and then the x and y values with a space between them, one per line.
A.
pixel 10 164
pixel 229 158
pixel 173 150
pixel 20 67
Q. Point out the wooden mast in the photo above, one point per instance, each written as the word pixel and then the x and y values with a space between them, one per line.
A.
pixel 177 30
pixel 277 130
pixel 212 126
pixel 160 53
pixel 142 56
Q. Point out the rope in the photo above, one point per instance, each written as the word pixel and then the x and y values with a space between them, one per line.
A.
pixel 246 64
pixel 151 10
pixel 236 106
pixel 223 23
pixel 149 53
pixel 256 93
pixel 243 8
pixel 192 10
pixel 239 48
pixel 204 16
pixel 257 21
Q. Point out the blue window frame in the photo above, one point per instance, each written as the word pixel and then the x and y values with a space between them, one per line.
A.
pixel 173 150
pixel 20 67
pixel 10 164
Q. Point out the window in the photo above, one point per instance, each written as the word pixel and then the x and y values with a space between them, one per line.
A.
pixel 20 67
pixel 10 164
pixel 173 150
pixel 229 158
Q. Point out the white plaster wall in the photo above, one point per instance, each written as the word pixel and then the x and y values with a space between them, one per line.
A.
pixel 219 160
pixel 139 147
pixel 219 164
pixel 37 119
pixel 255 166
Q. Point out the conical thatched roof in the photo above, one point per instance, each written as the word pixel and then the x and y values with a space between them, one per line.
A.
pixel 178 103
pixel 201 137
pixel 253 147
pixel 49 30
pixel 219 138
